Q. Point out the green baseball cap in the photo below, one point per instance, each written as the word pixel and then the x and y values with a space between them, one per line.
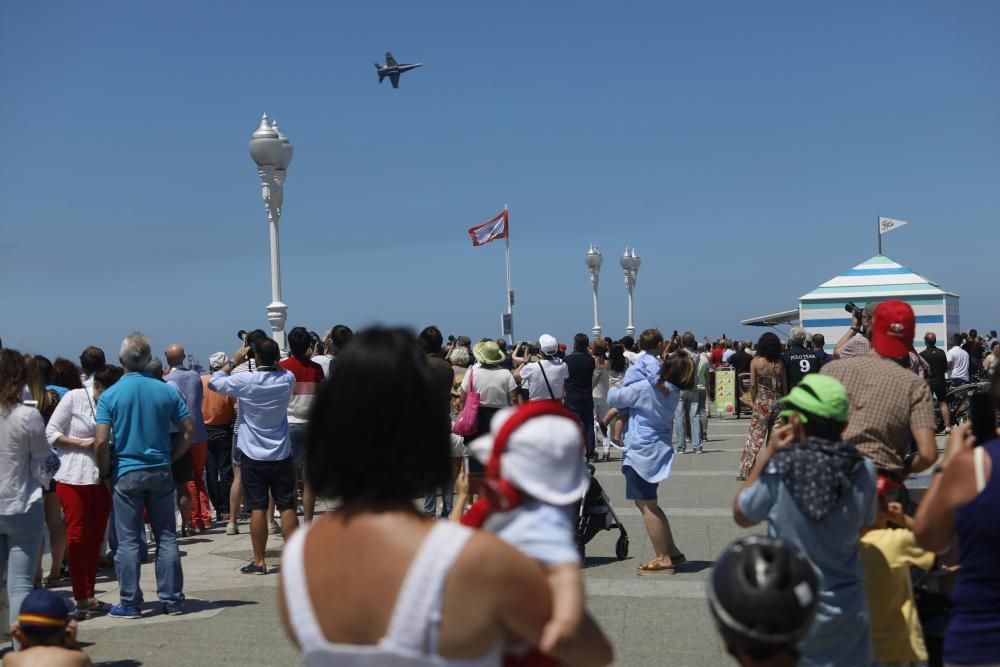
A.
pixel 819 395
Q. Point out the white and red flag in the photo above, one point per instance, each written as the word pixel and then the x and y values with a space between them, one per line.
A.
pixel 494 229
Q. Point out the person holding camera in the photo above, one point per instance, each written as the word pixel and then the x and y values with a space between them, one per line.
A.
pixel 889 404
pixel 308 378
pixel 266 450
pixel 545 378
pixel 856 340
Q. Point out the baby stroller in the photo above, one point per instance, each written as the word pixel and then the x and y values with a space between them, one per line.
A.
pixel 596 515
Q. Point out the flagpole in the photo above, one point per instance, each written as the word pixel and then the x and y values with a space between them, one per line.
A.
pixel 510 291
pixel 878 232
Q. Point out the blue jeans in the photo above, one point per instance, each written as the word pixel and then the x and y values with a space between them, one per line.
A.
pixel 691 406
pixel 447 499
pixel 151 489
pixel 20 544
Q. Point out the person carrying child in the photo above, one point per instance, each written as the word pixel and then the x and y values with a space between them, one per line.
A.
pixel 535 473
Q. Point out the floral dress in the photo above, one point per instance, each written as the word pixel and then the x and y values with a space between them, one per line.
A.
pixel 765 415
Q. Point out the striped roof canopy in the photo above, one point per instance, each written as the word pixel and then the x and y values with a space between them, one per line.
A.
pixel 878 276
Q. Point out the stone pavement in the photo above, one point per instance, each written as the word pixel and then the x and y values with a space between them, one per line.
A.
pixel 232 618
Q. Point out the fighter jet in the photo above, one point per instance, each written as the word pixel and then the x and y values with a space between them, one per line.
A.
pixel 393 69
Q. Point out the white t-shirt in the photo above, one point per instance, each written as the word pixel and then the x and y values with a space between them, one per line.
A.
pixel 556 373
pixel 494 384
pixel 326 362
pixel 958 363
pixel 726 355
pixel 630 356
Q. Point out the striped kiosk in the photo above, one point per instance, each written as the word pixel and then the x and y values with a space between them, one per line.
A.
pixel 879 278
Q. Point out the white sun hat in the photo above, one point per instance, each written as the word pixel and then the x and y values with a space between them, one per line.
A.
pixel 543 457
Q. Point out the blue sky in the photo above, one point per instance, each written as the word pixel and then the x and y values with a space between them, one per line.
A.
pixel 744 149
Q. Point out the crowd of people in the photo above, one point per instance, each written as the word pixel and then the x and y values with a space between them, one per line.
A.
pixel 501 434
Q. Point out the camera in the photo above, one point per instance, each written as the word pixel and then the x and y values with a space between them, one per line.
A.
pixel 451 339
pixel 242 335
pixel 852 308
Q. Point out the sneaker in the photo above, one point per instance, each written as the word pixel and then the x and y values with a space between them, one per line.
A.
pixel 253 568
pixel 231 529
pixel 681 449
pixel 173 610
pixel 699 450
pixel 274 529
pixel 119 611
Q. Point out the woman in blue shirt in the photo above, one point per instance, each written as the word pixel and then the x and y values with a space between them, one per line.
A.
pixel 649 453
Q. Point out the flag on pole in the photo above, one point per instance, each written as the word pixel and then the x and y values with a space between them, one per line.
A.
pixel 888 224
pixel 490 231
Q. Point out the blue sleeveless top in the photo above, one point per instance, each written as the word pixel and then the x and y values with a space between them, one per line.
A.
pixel 973 636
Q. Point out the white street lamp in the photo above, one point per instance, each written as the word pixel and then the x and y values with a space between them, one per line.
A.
pixel 593 259
pixel 630 265
pixel 270 149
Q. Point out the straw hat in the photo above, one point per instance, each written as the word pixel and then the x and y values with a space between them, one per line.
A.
pixel 488 353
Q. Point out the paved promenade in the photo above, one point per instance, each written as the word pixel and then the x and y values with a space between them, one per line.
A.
pixel 232 618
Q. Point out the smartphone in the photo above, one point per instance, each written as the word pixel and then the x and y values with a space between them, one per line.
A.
pixel 983 416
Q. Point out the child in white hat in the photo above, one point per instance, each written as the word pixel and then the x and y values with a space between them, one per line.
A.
pixel 535 473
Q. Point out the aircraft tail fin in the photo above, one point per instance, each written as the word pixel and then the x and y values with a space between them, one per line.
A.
pixel 381 75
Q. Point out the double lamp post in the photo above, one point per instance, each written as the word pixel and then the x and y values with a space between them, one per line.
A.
pixel 630 262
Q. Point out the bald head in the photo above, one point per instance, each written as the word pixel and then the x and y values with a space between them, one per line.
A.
pixel 175 355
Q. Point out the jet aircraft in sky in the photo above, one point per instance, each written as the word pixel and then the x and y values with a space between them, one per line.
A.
pixel 392 69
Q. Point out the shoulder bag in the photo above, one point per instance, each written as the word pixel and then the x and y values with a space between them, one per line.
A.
pixel 467 422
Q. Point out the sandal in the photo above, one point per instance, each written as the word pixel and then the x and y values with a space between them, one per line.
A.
pixel 678 559
pixel 52 582
pixel 98 607
pixel 651 569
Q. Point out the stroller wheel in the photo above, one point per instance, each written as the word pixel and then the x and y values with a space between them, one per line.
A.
pixel 621 547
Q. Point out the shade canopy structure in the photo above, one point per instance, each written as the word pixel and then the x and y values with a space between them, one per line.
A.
pixel 785 317
pixel 874 280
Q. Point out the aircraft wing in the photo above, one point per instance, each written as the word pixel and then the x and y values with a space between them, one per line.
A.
pixel 389 60
pixel 395 79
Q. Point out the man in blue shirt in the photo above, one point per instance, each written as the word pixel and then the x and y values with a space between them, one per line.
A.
pixel 266 449
pixel 140 411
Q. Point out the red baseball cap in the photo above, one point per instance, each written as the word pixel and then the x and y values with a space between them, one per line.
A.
pixel 892 328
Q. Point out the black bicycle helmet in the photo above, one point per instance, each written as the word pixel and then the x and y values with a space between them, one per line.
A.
pixel 763 591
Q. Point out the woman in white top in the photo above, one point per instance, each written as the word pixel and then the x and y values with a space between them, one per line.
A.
pixel 25 469
pixel 377 582
pixel 85 500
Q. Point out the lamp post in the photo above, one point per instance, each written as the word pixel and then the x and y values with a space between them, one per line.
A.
pixel 593 259
pixel 630 265
pixel 272 152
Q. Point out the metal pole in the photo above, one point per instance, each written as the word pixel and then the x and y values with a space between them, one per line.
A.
pixel 629 328
pixel 597 322
pixel 878 232
pixel 510 290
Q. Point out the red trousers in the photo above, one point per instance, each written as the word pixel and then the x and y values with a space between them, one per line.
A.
pixel 201 509
pixel 86 508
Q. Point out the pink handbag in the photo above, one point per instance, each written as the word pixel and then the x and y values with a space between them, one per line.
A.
pixel 467 422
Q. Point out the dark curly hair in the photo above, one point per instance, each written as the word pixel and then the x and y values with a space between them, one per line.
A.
pixel 379 435
pixel 13 374
pixel 769 346
pixel 65 374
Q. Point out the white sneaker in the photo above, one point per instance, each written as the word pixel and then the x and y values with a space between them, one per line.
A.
pixel 232 529
pixel 274 529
